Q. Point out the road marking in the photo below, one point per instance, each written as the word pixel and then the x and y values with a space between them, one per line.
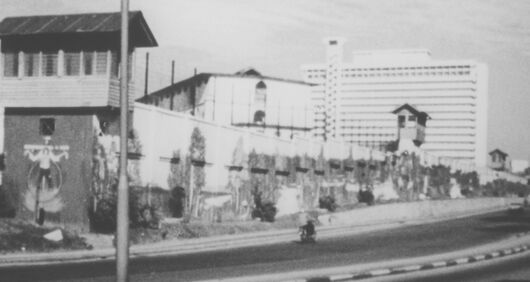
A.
pixel 407 268
pixel 340 277
pixel 439 264
pixel 480 257
pixel 380 272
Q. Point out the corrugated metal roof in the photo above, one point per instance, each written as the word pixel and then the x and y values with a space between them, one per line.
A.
pixel 75 23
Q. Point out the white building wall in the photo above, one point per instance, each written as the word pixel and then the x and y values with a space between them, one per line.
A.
pixel 454 93
pixel 230 100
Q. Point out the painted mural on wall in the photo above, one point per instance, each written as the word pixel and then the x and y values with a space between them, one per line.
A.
pixel 45 176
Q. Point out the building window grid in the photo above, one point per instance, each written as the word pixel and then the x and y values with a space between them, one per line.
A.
pixel 74 63
pixel 407 71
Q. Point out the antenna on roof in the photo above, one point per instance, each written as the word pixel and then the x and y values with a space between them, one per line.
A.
pixel 194 71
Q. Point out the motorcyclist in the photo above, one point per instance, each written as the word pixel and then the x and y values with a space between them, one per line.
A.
pixel 308 230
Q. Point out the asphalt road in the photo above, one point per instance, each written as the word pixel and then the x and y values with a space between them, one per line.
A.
pixel 409 241
pixel 509 269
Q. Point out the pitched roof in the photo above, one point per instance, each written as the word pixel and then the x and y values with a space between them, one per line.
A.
pixel 412 110
pixel 74 23
pixel 205 76
pixel 498 152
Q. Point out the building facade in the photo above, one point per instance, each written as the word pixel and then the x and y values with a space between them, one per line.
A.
pixel 270 105
pixel 354 100
pixel 59 94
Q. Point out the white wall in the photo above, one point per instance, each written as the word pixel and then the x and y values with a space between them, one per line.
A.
pixel 162 132
pixel 230 99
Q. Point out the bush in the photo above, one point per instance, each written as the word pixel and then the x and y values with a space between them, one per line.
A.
pixel 103 219
pixel 327 202
pixel 265 211
pixel 177 201
pixel 366 196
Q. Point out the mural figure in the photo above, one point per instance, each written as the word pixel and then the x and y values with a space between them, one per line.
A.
pixel 44 178
pixel 45 158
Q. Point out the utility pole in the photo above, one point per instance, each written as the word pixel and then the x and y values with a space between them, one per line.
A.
pixel 122 228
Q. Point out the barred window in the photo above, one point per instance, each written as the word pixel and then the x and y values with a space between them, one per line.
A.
pixel 72 63
pixel 10 64
pixel 49 64
pixel 101 62
pixel 88 62
pixel 114 63
pixel 31 64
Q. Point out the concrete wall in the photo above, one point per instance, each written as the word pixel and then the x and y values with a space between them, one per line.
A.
pixel 162 133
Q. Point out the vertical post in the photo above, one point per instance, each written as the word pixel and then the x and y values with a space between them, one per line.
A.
pixel 232 107
pixel 249 108
pixel 213 94
pixel 172 72
pixel 122 228
pixel 278 124
pixel 146 79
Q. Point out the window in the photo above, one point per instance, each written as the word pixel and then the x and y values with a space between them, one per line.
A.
pixel 101 62
pixel 114 62
pixel 260 98
pixel 412 118
pixel 49 64
pixel 72 63
pixel 47 126
pixel 401 121
pixel 88 63
pixel 10 64
pixel 259 117
pixel 31 64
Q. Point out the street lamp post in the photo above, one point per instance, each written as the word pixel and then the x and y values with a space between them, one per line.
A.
pixel 122 228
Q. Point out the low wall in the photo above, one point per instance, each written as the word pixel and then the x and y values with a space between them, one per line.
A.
pixel 415 211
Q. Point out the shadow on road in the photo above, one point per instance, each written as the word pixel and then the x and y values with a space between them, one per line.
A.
pixel 508 222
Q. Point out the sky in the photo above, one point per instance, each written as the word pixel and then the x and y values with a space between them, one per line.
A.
pixel 278 36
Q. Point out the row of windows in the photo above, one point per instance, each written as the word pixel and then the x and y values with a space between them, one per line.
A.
pixel 47 63
pixel 399 74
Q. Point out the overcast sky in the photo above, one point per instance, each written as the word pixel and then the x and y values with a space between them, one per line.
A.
pixel 278 36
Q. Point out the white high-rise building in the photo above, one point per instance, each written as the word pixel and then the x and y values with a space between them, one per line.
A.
pixel 354 101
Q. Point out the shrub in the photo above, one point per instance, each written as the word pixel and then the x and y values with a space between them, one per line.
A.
pixel 103 219
pixel 366 196
pixel 327 202
pixel 177 201
pixel 266 211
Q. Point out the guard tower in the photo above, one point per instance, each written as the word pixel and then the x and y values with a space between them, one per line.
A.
pixel 411 124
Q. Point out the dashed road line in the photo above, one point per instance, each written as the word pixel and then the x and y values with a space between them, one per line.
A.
pixel 419 267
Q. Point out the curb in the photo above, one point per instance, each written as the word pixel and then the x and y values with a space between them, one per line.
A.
pixel 420 267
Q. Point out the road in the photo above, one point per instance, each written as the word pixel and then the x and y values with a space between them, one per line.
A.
pixel 408 241
pixel 509 269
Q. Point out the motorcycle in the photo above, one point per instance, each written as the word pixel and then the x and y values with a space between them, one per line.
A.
pixel 307 238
